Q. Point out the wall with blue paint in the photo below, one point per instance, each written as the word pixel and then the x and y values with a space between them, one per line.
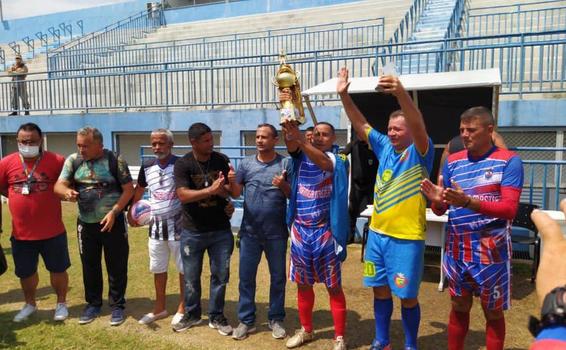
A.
pixel 532 113
pixel 94 18
pixel 241 8
pixel 231 123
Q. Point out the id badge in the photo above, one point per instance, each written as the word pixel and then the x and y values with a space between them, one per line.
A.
pixel 25 189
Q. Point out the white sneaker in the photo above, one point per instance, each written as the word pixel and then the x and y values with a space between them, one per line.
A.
pixel 25 312
pixel 177 318
pixel 151 317
pixel 61 312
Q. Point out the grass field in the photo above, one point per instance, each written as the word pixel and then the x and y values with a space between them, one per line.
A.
pixel 40 332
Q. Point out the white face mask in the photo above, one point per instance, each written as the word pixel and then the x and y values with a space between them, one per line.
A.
pixel 28 151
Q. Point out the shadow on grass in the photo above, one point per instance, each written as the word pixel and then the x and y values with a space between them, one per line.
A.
pixel 8 336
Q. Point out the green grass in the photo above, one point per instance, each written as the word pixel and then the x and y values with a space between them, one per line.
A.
pixel 40 332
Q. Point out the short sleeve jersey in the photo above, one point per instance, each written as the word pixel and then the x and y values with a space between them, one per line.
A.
pixel 314 190
pixel 264 204
pixel 206 214
pixel 98 189
pixel 398 205
pixel 37 215
pixel 166 217
pixel 472 236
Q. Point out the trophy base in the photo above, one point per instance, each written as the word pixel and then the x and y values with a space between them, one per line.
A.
pixel 290 115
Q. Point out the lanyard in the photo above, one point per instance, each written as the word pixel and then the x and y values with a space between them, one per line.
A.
pixel 24 165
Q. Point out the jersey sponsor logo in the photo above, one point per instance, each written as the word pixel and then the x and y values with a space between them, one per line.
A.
pixel 369 269
pixel 387 174
pixel 400 280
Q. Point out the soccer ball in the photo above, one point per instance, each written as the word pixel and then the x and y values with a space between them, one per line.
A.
pixel 141 212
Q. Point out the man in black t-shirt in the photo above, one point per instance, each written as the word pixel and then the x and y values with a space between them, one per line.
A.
pixel 363 165
pixel 202 180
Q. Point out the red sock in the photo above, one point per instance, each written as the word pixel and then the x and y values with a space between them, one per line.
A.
pixel 305 303
pixel 458 325
pixel 495 334
pixel 338 308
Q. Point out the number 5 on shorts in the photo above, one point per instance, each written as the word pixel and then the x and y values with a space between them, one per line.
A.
pixel 369 269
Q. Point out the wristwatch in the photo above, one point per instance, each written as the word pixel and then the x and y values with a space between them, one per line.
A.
pixel 553 311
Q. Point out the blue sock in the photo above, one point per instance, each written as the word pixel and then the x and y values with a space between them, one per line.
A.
pixel 382 310
pixel 411 319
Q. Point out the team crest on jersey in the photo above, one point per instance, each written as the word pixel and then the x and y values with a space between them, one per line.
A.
pixel 400 280
pixel 404 156
pixel 387 174
pixel 488 173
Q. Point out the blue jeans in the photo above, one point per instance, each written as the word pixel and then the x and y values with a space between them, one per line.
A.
pixel 250 255
pixel 219 245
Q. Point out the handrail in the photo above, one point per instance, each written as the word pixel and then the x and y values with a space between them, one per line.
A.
pixel 271 57
pixel 409 22
pixel 519 5
pixel 453 30
pixel 230 37
pixel 242 82
pixel 154 13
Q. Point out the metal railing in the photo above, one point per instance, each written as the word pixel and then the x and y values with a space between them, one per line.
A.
pixel 118 33
pixel 319 37
pixel 454 30
pixel 544 180
pixel 409 22
pixel 519 18
pixel 527 65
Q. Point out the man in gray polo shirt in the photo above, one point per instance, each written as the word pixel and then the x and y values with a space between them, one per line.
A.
pixel 262 177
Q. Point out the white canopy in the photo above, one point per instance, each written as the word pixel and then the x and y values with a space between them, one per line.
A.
pixel 412 82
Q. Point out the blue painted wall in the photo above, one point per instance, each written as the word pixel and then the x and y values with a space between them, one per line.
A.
pixel 231 123
pixel 532 113
pixel 94 18
pixel 241 8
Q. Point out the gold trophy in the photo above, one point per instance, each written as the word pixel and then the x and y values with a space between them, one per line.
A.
pixel 286 77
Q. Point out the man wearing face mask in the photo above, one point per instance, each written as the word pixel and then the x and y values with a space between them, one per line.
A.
pixel 27 177
pixel 101 183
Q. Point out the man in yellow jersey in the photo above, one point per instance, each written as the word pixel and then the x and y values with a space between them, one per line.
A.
pixel 395 248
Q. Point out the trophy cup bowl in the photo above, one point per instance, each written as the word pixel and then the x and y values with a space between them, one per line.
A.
pixel 287 78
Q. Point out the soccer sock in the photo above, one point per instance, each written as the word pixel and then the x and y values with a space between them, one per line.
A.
pixel 382 310
pixel 495 334
pixel 411 318
pixel 458 325
pixel 305 303
pixel 338 309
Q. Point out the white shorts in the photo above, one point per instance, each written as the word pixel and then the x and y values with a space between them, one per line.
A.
pixel 159 252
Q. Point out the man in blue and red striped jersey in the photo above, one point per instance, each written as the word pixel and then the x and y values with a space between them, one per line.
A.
pixel 481 186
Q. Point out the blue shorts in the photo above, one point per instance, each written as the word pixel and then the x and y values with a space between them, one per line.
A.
pixel 491 282
pixel 313 257
pixel 397 263
pixel 54 252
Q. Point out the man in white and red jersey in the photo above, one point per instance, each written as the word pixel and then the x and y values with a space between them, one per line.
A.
pixel 481 186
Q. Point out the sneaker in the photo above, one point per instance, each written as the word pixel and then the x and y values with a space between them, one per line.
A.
pixel 89 314
pixel 26 113
pixel 277 329
pixel 117 317
pixel 13 113
pixel 340 343
pixel 241 332
pixel 301 337
pixel 61 312
pixel 177 318
pixel 221 325
pixel 185 323
pixel 151 317
pixel 375 345
pixel 25 312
